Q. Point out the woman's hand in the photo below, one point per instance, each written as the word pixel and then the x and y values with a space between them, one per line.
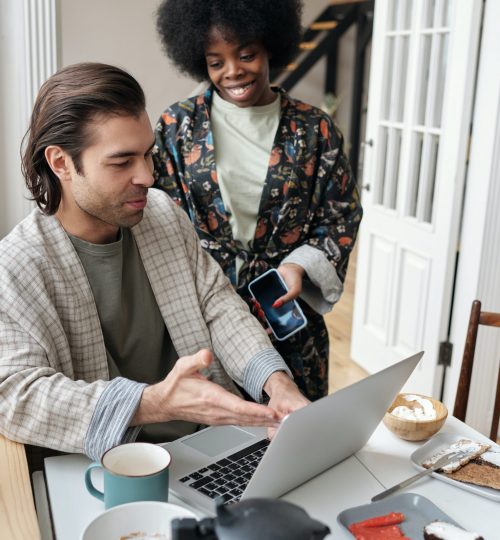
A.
pixel 258 313
pixel 292 274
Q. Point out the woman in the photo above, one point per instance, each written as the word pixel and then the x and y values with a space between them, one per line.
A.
pixel 262 176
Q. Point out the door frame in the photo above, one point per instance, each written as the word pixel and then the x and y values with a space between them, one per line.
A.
pixel 479 248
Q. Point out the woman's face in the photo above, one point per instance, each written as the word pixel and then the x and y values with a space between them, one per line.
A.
pixel 240 72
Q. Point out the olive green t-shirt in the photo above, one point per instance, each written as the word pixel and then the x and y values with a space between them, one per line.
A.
pixel 138 345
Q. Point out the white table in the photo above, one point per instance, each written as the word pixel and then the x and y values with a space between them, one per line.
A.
pixel 383 461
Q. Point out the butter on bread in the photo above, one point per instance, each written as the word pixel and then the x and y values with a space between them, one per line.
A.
pixel 440 530
pixel 473 450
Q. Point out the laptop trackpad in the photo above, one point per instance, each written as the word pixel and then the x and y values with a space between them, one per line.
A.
pixel 214 441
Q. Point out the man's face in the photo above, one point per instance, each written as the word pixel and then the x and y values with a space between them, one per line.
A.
pixel 110 191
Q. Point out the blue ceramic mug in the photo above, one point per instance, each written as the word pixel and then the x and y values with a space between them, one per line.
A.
pixel 132 472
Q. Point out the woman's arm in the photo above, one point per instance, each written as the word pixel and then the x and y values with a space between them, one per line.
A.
pixel 323 255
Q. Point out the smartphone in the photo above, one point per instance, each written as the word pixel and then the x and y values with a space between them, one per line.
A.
pixel 285 320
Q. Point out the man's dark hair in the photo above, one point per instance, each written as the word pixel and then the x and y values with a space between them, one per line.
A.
pixel 184 26
pixel 66 105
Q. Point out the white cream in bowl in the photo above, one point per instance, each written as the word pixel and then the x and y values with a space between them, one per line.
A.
pixel 423 410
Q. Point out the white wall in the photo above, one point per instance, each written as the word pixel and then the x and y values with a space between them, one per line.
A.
pixel 13 115
pixel 124 34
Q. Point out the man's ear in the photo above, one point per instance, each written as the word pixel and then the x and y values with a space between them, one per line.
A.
pixel 59 161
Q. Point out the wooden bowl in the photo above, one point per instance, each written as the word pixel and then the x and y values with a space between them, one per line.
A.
pixel 414 429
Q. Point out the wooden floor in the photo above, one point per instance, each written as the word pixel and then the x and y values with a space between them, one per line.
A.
pixel 343 371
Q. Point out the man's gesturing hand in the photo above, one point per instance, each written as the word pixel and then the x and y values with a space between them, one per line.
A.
pixel 185 394
pixel 284 396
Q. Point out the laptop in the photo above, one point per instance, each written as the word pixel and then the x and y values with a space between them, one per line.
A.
pixel 240 462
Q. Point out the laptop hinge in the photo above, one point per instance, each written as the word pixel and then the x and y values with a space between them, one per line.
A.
pixel 445 351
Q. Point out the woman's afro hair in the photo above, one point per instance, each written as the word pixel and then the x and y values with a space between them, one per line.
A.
pixel 184 25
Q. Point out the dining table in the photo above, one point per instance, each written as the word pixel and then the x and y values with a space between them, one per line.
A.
pixel 18 518
pixel 65 508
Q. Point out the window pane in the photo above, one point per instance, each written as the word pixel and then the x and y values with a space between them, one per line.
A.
pixel 392 168
pixel 427 180
pixel 433 156
pixel 392 14
pixel 440 79
pixel 381 164
pixel 400 15
pixel 442 13
pixel 407 14
pixel 396 69
pixel 424 60
pixel 428 7
pixel 389 74
pixel 402 75
pixel 445 16
pixel 414 177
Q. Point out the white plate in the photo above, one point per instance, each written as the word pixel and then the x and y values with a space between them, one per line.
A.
pixel 442 441
pixel 418 511
pixel 147 517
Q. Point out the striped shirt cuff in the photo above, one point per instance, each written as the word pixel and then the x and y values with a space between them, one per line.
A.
pixel 131 434
pixel 324 287
pixel 259 369
pixel 113 413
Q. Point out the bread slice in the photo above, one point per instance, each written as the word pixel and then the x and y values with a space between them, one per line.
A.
pixel 491 458
pixel 440 530
pixel 473 449
pixel 481 467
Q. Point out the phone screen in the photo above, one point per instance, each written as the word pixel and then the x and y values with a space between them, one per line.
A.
pixel 284 320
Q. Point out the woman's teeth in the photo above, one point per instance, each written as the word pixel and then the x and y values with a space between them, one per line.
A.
pixel 240 90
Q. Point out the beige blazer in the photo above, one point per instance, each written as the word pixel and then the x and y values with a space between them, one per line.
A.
pixel 53 366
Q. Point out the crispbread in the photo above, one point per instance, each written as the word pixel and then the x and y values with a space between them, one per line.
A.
pixel 481 467
pixel 481 475
pixel 472 448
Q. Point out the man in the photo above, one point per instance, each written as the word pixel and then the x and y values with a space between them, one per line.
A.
pixel 112 317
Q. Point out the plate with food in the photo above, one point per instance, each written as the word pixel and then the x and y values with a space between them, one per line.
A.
pixel 144 520
pixel 408 515
pixel 479 472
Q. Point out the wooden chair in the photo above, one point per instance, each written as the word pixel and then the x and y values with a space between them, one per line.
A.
pixel 485 318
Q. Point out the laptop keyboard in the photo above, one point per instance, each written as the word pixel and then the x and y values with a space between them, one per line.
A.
pixel 229 476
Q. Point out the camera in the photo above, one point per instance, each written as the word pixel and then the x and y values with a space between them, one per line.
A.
pixel 252 519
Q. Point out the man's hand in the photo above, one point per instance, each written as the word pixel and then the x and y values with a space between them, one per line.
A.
pixel 187 395
pixel 284 396
pixel 292 275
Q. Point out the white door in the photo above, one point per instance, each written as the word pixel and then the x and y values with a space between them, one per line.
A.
pixel 421 88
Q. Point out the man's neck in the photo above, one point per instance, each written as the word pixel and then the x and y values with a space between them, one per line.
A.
pixel 89 232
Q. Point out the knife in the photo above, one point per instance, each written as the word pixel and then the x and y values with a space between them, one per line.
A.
pixel 441 462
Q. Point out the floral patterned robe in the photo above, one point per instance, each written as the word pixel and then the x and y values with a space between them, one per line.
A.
pixel 309 197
